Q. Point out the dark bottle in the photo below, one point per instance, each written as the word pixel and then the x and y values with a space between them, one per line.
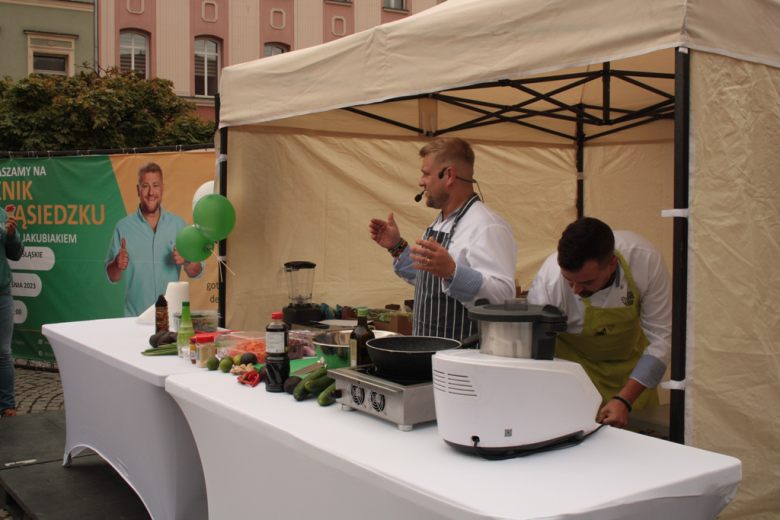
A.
pixel 277 361
pixel 161 314
pixel 358 349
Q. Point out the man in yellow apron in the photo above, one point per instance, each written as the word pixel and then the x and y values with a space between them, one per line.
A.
pixel 616 292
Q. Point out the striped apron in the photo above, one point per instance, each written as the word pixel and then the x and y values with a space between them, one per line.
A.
pixel 435 313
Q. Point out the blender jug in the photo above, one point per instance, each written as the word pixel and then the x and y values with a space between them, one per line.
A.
pixel 300 280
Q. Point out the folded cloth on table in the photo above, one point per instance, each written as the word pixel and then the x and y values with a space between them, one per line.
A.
pixel 147 316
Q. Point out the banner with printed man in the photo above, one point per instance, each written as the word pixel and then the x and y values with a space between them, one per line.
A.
pixel 67 210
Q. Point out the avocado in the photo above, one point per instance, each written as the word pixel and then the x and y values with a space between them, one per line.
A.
pixel 290 382
pixel 248 359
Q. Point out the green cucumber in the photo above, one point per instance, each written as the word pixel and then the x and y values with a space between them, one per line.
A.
pixel 325 398
pixel 315 386
pixel 300 393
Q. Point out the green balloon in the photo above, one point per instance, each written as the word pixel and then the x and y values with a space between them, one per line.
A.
pixel 214 216
pixel 192 245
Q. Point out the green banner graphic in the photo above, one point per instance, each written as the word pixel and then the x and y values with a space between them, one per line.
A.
pixel 67 209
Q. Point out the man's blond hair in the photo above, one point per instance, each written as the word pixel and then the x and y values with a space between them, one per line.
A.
pixel 149 167
pixel 450 149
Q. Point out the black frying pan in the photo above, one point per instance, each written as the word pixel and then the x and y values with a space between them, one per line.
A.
pixel 407 356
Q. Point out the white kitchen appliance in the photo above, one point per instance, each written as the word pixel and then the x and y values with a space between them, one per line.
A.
pixel 511 398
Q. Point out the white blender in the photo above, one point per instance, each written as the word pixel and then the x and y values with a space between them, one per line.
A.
pixel 511 398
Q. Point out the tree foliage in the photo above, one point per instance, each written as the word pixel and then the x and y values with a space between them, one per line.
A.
pixel 92 111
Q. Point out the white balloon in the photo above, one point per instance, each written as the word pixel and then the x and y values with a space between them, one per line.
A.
pixel 201 192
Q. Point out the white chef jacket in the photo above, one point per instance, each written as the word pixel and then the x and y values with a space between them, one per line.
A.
pixel 485 253
pixel 654 284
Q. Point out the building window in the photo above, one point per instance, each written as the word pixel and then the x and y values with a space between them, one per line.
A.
pixel 207 67
pixel 395 4
pixel 133 52
pixel 49 53
pixel 272 49
pixel 48 64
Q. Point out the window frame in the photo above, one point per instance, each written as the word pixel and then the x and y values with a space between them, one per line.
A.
pixel 205 56
pixel 57 46
pixel 403 7
pixel 276 45
pixel 147 48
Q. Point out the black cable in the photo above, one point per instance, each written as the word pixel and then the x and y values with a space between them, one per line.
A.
pixel 575 440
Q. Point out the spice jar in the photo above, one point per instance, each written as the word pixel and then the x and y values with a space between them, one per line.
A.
pixel 205 348
pixel 193 350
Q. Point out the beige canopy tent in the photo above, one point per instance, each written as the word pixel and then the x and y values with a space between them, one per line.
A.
pixel 617 109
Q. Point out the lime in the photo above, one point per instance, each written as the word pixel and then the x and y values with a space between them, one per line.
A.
pixel 226 364
pixel 237 359
pixel 212 363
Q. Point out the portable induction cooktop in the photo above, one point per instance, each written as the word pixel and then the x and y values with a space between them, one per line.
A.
pixel 402 401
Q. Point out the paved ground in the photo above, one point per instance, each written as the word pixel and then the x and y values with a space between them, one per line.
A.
pixel 36 391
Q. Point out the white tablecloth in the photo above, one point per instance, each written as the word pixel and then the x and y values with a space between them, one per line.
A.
pixel 115 404
pixel 299 460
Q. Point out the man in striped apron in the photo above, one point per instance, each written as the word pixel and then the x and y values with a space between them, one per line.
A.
pixel 468 253
pixel 615 289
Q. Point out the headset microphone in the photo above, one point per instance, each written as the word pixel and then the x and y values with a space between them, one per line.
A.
pixel 418 198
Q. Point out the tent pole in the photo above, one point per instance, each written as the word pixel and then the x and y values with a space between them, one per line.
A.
pixel 580 169
pixel 222 250
pixel 605 91
pixel 680 259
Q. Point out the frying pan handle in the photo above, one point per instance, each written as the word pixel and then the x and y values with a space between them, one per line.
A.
pixel 470 342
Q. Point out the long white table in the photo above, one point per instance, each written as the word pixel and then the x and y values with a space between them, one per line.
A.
pixel 279 458
pixel 115 404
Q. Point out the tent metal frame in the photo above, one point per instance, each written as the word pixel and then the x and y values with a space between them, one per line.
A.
pixel 580 115
pixel 494 113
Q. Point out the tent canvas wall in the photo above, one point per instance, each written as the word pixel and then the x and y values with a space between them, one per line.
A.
pixel 324 138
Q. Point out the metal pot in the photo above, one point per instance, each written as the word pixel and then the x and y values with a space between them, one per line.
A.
pixel 334 346
pixel 407 357
pixel 517 329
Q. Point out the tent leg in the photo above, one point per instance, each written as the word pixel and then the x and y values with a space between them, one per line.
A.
pixel 580 169
pixel 680 259
pixel 222 248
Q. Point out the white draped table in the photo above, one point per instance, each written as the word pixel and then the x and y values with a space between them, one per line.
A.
pixel 269 456
pixel 115 404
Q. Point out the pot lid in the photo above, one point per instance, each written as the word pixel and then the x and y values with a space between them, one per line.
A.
pixel 517 311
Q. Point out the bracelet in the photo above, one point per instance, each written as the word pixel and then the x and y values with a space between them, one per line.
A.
pixel 397 253
pixel 624 401
pixel 399 247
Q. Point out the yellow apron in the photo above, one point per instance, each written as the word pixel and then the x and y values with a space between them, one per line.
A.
pixel 610 345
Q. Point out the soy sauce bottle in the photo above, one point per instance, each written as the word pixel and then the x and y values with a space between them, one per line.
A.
pixel 277 361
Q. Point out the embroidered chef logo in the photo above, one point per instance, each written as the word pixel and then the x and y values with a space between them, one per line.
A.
pixel 628 299
pixel 606 330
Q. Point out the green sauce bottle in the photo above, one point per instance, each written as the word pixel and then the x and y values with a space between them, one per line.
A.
pixel 185 331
